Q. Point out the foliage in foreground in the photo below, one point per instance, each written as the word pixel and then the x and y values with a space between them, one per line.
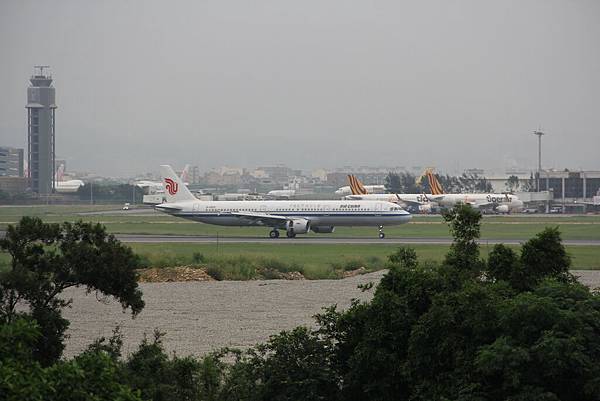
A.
pixel 514 327
pixel 46 259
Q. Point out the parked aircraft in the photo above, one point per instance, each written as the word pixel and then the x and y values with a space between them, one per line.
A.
pixel 281 193
pixel 356 187
pixel 501 203
pixel 420 201
pixel 65 186
pixel 295 217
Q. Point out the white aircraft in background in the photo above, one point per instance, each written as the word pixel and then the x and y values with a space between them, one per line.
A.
pixel 65 186
pixel 295 217
pixel 420 201
pixel 281 193
pixel 368 189
pixel 501 203
pixel 156 187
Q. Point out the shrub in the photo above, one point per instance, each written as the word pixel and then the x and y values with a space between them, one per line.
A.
pixel 215 272
pixel 198 258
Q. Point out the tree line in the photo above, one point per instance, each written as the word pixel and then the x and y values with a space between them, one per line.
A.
pixel 408 183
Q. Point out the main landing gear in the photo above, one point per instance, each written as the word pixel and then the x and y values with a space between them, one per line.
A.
pixel 381 233
pixel 274 233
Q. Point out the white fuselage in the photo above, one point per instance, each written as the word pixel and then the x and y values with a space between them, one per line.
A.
pixel 282 193
pixel 69 186
pixel 510 202
pixel 399 198
pixel 317 213
pixel 378 189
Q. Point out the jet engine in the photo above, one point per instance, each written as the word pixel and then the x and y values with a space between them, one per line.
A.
pixel 502 209
pixel 426 208
pixel 298 226
pixel 322 229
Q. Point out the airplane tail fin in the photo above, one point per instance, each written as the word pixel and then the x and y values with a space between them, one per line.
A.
pixel 434 184
pixel 184 173
pixel 60 173
pixel 175 189
pixel 356 186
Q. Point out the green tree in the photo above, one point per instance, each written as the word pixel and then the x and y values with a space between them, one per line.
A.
pixel 21 377
pixel 93 375
pixel 293 365
pixel 432 332
pixel 545 256
pixel 402 183
pixel 46 259
pixel 465 226
pixel 157 377
pixel 512 184
pixel 503 264
pixel 393 183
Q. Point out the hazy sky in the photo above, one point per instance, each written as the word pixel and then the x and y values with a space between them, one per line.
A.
pixel 308 83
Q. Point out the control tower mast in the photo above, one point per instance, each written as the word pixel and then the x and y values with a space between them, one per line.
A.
pixel 41 109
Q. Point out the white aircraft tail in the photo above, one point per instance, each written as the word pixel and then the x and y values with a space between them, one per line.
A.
pixel 175 189
pixel 185 173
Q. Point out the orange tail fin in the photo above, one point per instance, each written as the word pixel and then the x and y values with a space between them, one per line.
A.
pixel 356 186
pixel 434 184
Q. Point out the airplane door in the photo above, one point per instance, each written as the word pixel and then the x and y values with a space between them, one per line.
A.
pixel 378 209
pixel 196 207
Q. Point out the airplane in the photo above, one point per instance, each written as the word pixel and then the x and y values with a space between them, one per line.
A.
pixel 364 189
pixel 65 186
pixel 420 201
pixel 501 203
pixel 295 217
pixel 281 193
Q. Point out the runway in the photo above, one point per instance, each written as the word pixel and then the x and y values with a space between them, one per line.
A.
pixel 137 238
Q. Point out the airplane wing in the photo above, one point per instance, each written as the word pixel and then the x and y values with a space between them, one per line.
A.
pixel 434 198
pixel 264 219
pixel 480 204
pixel 408 201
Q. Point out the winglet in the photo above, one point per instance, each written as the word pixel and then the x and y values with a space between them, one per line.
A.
pixel 175 189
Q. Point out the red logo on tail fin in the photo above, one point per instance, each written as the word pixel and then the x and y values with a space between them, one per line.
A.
pixel 171 186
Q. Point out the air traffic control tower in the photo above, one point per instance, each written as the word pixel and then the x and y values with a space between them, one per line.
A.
pixel 40 135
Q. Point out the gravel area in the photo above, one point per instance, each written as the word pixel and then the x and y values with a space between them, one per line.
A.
pixel 199 317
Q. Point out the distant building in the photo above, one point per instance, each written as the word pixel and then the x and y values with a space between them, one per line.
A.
pixel 571 185
pixel 13 185
pixel 280 174
pixel 11 162
pixel 41 109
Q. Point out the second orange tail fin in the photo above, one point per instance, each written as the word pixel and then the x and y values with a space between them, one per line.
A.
pixel 356 186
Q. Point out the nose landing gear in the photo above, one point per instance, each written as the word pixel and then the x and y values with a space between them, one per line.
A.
pixel 274 233
pixel 381 233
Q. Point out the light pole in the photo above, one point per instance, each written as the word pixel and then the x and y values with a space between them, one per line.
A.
pixel 539 134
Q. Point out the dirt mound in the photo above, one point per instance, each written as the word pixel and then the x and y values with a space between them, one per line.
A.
pixel 167 274
pixel 270 274
pixel 355 272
